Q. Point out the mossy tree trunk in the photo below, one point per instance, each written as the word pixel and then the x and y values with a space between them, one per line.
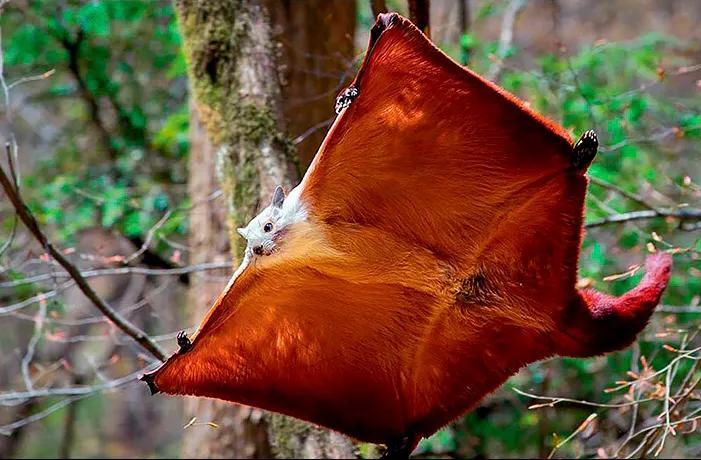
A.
pixel 242 432
pixel 236 96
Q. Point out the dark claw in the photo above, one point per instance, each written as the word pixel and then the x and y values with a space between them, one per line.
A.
pixel 184 342
pixel 584 150
pixel 345 98
pixel 384 22
pixel 149 379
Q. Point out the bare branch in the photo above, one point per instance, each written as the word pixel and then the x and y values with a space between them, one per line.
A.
pixel 72 47
pixel 31 347
pixel 149 237
pixel 552 401
pixel 630 195
pixel 23 80
pixel 98 318
pixel 34 299
pixel 77 390
pixel 30 222
pixel 683 214
pixel 9 428
pixel 122 271
pixel 678 309
pixel 312 130
pixel 68 437
pixel 506 37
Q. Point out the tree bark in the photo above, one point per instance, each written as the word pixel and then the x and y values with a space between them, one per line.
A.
pixel 236 94
pixel 317 61
pixel 464 18
pixel 242 432
pixel 419 14
pixel 377 7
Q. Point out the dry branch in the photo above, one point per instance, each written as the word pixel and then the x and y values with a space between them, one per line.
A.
pixel 120 271
pixel 506 37
pixel 30 222
pixel 684 214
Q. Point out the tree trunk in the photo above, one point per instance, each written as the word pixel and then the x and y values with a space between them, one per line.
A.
pixel 419 14
pixel 236 94
pixel 317 57
pixel 242 431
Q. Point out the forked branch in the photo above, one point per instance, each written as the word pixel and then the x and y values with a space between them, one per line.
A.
pixel 30 222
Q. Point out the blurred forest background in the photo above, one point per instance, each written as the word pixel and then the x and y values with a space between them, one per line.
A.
pixel 137 144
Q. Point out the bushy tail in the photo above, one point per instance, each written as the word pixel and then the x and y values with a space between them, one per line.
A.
pixel 597 323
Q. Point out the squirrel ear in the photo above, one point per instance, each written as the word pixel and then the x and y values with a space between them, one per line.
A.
pixel 242 231
pixel 278 197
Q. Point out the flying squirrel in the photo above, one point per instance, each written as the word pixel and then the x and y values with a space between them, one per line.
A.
pixel 428 254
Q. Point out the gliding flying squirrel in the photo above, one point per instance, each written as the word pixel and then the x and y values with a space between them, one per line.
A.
pixel 428 254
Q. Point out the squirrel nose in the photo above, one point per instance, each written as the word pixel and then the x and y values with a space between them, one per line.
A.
pixel 258 250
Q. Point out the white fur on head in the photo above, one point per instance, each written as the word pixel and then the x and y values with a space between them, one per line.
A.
pixel 264 230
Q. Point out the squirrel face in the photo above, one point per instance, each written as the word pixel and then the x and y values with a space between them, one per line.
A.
pixel 264 232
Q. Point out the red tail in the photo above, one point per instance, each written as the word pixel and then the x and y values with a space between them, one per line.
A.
pixel 597 323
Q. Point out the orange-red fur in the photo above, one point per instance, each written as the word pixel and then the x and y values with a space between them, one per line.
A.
pixel 439 256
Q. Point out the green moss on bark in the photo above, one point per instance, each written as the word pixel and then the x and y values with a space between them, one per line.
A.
pixel 214 36
pixel 218 43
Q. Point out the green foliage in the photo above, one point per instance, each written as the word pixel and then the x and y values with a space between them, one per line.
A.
pixel 648 122
pixel 119 68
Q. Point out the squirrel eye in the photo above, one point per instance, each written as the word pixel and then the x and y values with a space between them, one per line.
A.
pixel 268 227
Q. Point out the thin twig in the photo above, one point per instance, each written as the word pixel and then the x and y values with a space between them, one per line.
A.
pixel 322 124
pixel 23 80
pixel 98 318
pixel 579 429
pixel 30 222
pixel 8 309
pixel 630 195
pixel 77 390
pixel 684 214
pixel 149 237
pixel 552 401
pixel 72 48
pixel 206 266
pixel 9 428
pixel 31 347
pixel 506 37
pixel 68 431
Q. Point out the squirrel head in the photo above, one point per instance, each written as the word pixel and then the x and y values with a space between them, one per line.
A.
pixel 264 232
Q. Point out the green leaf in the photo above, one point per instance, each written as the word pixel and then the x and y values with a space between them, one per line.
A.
pixel 93 19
